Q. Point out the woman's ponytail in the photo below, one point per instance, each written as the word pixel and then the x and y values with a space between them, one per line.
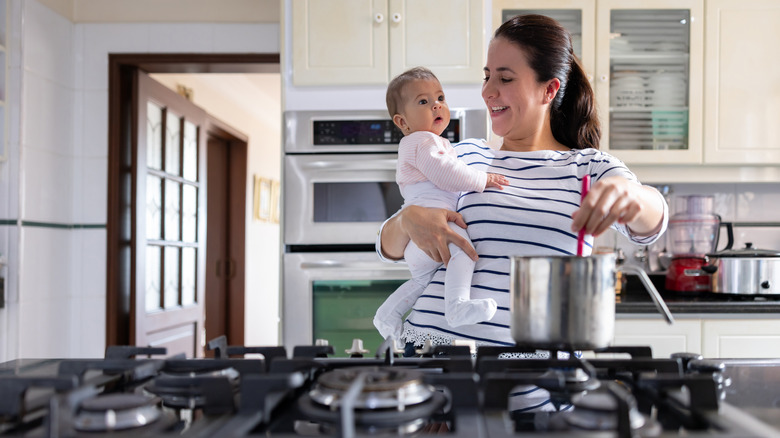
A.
pixel 573 116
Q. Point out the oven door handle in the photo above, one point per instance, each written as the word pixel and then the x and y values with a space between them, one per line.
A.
pixel 336 264
pixel 388 164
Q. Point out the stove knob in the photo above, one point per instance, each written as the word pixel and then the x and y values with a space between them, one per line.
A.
pixel 766 284
pixel 685 358
pixel 357 349
pixel 706 366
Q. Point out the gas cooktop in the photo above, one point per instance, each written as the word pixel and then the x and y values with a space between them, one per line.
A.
pixel 444 390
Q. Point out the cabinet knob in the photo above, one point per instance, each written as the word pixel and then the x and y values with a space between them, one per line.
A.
pixel 396 18
pixel 379 17
pixel 603 78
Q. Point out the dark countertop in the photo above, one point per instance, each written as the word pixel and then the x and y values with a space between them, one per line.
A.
pixel 635 299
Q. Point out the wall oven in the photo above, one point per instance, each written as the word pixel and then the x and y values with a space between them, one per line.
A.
pixel 338 188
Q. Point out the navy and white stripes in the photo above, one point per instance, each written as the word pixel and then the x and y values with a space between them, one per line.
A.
pixel 531 216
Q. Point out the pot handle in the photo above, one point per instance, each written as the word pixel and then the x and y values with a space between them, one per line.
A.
pixel 659 302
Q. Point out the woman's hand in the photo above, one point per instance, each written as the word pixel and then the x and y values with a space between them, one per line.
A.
pixel 428 228
pixel 616 199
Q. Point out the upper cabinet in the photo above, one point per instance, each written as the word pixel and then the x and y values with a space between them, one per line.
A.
pixel 359 42
pixel 644 59
pixel 742 82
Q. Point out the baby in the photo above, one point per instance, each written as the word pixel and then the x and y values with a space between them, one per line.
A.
pixel 429 174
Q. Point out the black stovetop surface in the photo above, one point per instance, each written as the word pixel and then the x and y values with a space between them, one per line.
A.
pixel 472 395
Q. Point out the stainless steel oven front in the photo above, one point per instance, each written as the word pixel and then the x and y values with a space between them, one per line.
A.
pixel 338 187
pixel 334 296
pixel 339 172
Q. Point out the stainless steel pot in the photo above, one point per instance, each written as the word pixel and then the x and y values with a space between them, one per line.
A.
pixel 746 271
pixel 568 302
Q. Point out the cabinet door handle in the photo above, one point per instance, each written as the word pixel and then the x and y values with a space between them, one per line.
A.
pixel 396 18
pixel 379 17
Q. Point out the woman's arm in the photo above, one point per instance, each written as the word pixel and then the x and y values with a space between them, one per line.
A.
pixel 428 229
pixel 616 199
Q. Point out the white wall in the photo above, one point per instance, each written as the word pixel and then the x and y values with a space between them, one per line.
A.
pixel 54 182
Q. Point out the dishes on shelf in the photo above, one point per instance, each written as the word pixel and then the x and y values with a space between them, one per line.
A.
pixel 628 91
pixel 667 89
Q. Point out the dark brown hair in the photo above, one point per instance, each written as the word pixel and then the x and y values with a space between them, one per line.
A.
pixel 396 86
pixel 573 117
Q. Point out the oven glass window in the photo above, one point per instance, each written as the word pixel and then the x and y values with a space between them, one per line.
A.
pixel 355 202
pixel 344 310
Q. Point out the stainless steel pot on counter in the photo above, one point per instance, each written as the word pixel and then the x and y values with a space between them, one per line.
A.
pixel 568 302
pixel 746 271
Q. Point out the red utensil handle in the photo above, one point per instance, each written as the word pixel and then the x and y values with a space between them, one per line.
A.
pixel 581 234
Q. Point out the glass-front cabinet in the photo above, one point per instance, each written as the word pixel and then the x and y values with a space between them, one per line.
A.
pixel 644 59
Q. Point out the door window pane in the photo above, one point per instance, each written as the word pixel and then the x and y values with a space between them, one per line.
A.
pixel 153 207
pixel 171 277
pixel 172 144
pixel 190 147
pixel 172 210
pixel 153 136
pixel 188 269
pixel 153 278
pixel 189 212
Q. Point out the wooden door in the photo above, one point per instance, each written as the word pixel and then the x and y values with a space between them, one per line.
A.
pixel 169 216
pixel 226 232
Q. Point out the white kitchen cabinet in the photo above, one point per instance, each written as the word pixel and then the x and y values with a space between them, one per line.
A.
pixel 359 42
pixel 685 335
pixel 658 44
pixel 645 60
pixel 741 338
pixel 742 82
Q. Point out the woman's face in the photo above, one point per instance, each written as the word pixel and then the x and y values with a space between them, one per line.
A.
pixel 516 102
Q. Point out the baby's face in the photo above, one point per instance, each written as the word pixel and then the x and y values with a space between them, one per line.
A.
pixel 424 107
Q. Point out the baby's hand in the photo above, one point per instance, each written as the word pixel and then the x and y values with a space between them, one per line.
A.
pixel 496 180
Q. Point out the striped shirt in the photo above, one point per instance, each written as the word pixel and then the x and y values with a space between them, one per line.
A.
pixel 530 217
pixel 425 156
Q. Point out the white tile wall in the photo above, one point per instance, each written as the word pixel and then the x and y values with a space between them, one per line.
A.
pixel 94 129
pixel 47 183
pixel 48 48
pixel 47 117
pixel 742 203
pixel 181 37
pixel 246 38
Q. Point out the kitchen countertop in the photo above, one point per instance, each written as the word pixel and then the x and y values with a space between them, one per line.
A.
pixel 635 299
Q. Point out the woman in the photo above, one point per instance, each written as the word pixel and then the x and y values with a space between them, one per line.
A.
pixel 541 103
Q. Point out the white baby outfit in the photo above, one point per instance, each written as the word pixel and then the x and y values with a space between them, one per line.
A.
pixel 430 174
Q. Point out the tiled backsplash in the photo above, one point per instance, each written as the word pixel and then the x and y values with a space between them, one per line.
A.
pixel 742 204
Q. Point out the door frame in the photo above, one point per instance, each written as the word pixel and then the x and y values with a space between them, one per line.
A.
pixel 120 260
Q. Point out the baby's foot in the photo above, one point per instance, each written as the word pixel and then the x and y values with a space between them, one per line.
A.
pixel 460 311
pixel 389 326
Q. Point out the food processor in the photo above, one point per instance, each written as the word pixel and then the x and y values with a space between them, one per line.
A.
pixel 693 233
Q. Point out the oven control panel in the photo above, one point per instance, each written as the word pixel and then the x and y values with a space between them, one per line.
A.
pixel 367 132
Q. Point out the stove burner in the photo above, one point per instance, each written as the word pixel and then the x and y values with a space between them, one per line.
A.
pixel 189 389
pixel 384 387
pixel 119 411
pixel 598 411
pixel 391 400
